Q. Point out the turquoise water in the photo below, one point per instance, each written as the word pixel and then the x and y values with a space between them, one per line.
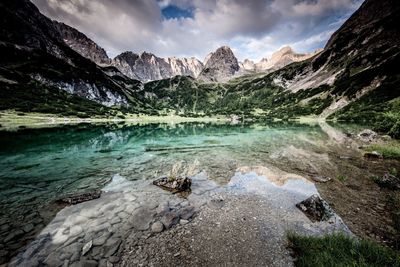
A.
pixel 40 166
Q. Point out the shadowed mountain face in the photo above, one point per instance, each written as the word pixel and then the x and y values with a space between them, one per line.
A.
pixel 39 71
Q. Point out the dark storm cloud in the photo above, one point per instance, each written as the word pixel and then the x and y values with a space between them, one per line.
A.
pixel 253 28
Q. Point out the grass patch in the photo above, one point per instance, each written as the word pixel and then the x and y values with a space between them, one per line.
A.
pixel 340 250
pixel 341 178
pixel 388 151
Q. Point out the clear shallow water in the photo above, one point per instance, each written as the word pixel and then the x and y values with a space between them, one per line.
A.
pixel 38 167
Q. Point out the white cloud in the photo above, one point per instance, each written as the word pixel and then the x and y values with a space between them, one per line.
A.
pixel 253 28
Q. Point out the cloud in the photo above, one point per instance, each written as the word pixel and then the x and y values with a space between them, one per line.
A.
pixel 253 28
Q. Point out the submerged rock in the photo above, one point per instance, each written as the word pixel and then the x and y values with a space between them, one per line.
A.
pixel 315 208
pixel 75 199
pixel 157 227
pixel 174 185
pixel 373 155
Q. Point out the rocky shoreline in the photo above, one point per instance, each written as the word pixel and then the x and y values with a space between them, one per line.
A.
pixel 137 223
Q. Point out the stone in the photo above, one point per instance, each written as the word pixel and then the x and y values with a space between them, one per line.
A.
pixel 373 155
pixel 79 198
pixel 87 247
pixel 53 260
pixel 170 219
pixel 320 179
pixel 99 241
pixel 28 227
pixel 315 208
pixel 174 185
pixel 187 212
pixel 183 221
pixel 157 227
pixel 114 259
pixel 142 218
pixel 111 247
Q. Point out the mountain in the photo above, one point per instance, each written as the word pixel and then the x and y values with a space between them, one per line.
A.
pixel 279 59
pixel 148 67
pixel 355 78
pixel 359 65
pixel 82 44
pixel 219 66
pixel 40 72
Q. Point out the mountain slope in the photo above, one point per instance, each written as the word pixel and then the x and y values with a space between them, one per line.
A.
pixel 82 44
pixel 33 52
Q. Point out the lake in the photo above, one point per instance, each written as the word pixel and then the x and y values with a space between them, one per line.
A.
pixel 40 166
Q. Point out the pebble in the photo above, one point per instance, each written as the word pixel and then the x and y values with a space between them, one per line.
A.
pixel 87 247
pixel 183 221
pixel 170 219
pixel 157 227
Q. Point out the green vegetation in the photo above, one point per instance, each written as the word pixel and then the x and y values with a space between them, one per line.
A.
pixel 393 203
pixel 341 178
pixel 251 96
pixel 340 250
pixel 388 151
pixel 394 171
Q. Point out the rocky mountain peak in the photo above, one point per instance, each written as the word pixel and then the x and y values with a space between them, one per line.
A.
pixel 148 67
pixel 220 65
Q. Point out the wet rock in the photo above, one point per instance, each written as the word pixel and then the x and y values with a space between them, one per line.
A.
pixel 315 208
pixel 170 219
pixel 187 212
pixel 373 155
pixel 367 135
pixel 174 185
pixel 13 235
pixel 157 227
pixel 75 199
pixel 28 227
pixel 320 179
pixel 111 246
pixel 142 218
pixel 87 247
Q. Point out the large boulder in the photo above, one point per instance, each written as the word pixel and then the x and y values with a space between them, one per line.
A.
pixel 175 185
pixel 315 208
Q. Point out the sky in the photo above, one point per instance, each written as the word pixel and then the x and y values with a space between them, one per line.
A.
pixel 254 29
